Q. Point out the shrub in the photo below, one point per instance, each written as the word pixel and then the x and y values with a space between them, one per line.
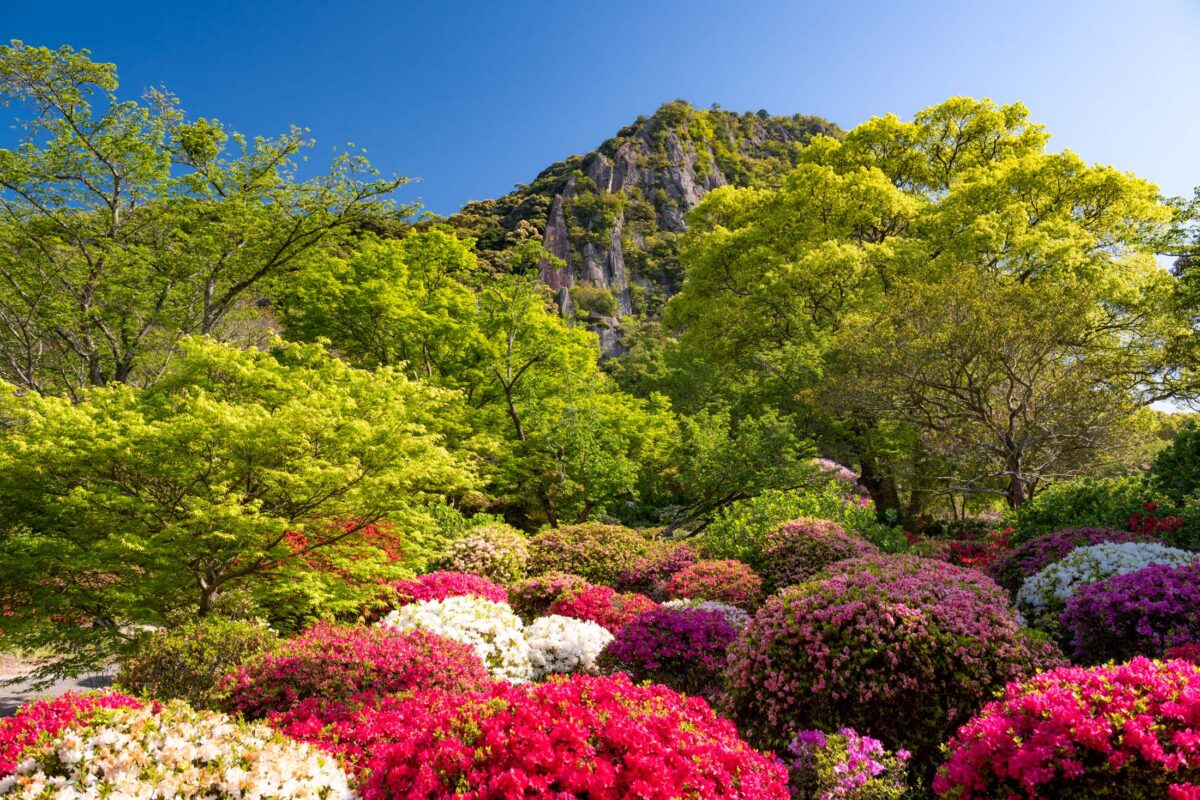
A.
pixel 729 582
pixel 532 597
pixel 683 648
pixel 579 737
pixel 845 766
pixel 493 631
pixel 1082 502
pixel 45 719
pixel 1126 731
pixel 735 616
pixel 651 574
pixel 497 552
pixel 738 530
pixel 188 662
pixel 900 647
pixel 1011 570
pixel 563 645
pixel 1044 593
pixel 1175 472
pixel 1189 652
pixel 599 553
pixel 441 585
pixel 336 663
pixel 175 751
pixel 604 606
pixel 1139 613
pixel 800 549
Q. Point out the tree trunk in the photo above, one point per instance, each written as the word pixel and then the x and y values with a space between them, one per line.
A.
pixel 880 486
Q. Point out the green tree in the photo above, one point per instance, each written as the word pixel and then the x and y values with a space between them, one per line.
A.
pixel 237 473
pixel 125 226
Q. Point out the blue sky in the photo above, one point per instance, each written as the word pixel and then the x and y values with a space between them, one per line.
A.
pixel 473 97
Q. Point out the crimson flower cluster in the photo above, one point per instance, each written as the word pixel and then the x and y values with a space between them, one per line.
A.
pixel 652 573
pixel 729 582
pixel 1129 731
pixel 604 606
pixel 335 664
pixel 440 585
pixel 46 718
pixel 1139 613
pixel 600 738
pixel 533 597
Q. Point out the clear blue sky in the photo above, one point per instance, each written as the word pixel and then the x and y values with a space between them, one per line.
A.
pixel 473 97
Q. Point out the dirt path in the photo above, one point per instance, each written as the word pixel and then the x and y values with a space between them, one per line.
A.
pixel 13 696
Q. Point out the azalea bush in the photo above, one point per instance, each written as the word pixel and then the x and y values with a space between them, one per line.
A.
pixel 533 597
pixel 564 645
pixel 441 585
pixel 599 553
pixel 652 573
pixel 335 663
pixel 188 662
pixel 1045 593
pixel 492 630
pixel 1139 613
pixel 683 648
pixel 1189 652
pixel 604 606
pixel 729 582
pixel 174 751
pixel 1030 557
pixel 801 548
pixel 1124 732
pixel 45 719
pixel 845 766
pixel 579 737
pixel 900 647
pixel 737 617
pixel 495 551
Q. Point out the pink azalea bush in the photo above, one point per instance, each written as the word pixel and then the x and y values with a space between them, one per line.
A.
pixel 533 597
pixel 496 551
pixel 652 573
pixel 845 766
pixel 600 553
pixel 729 582
pixel 901 648
pixel 334 664
pixel 1126 731
pixel 594 737
pixel 1028 558
pixel 40 721
pixel 1189 652
pixel 1139 613
pixel 800 549
pixel 604 606
pixel 683 648
pixel 440 585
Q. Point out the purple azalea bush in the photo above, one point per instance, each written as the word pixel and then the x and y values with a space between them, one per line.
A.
pixel 1028 558
pixel 680 647
pixel 845 766
pixel 1147 612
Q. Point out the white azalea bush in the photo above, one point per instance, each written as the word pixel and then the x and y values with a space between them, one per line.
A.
pixel 492 629
pixel 733 615
pixel 176 753
pixel 564 645
pixel 1048 590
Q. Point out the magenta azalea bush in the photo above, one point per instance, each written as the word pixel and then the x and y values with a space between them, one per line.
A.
pixel 1011 569
pixel 580 737
pixel 652 573
pixel 730 582
pixel 533 597
pixel 599 553
pixel 845 766
pixel 604 606
pixel 800 549
pixel 440 585
pixel 38 722
pixel 334 664
pixel 683 648
pixel 1139 613
pixel 1124 732
pixel 901 648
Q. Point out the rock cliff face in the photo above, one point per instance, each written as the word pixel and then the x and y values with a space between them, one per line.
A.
pixel 609 219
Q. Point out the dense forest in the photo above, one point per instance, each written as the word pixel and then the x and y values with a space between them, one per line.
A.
pixel 842 432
